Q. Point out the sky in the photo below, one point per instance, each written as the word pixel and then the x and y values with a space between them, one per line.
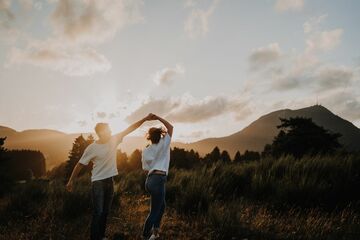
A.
pixel 210 67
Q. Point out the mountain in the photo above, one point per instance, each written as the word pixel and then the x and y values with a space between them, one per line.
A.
pixel 55 145
pixel 262 131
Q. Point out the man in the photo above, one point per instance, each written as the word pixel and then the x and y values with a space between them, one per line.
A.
pixel 102 153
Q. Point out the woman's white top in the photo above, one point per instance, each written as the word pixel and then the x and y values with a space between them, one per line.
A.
pixel 156 156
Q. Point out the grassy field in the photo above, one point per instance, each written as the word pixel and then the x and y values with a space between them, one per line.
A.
pixel 310 198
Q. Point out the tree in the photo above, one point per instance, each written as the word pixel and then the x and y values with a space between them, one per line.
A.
pixel 5 179
pixel 181 158
pixel 237 158
pixel 122 160
pixel 214 156
pixel 78 148
pixel 225 157
pixel 299 136
pixel 250 156
pixel 134 162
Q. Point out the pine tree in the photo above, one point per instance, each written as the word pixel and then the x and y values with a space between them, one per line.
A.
pixel 135 160
pixel 214 156
pixel 225 157
pixel 79 146
pixel 237 158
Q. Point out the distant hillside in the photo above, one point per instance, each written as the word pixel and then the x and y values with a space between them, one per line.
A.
pixel 262 131
pixel 55 145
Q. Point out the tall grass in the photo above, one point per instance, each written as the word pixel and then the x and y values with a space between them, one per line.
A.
pixel 310 198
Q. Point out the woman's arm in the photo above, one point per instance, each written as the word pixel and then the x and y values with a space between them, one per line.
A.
pixel 168 125
pixel 131 128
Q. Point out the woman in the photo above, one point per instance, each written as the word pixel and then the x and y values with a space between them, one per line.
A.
pixel 155 160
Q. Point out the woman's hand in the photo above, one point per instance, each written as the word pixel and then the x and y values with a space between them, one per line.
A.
pixel 151 117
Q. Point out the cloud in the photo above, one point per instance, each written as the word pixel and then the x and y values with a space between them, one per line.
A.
pixel 345 102
pixel 313 23
pixel 262 56
pixel 78 27
pixel 194 134
pixel 71 62
pixel 297 69
pixel 94 21
pixel 6 14
pixel 166 75
pixel 189 110
pixel 324 40
pixel 289 5
pixel 82 123
pixel 334 77
pixel 197 23
pixel 101 114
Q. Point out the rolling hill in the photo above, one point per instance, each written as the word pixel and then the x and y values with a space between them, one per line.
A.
pixel 55 145
pixel 262 131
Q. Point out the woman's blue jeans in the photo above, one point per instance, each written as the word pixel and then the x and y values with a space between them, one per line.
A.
pixel 102 195
pixel 155 185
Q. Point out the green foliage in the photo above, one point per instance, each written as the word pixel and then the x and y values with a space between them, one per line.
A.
pixel 78 148
pixel 299 136
pixel 183 159
pixel 27 200
pixel 313 181
pixel 213 157
pixel 225 157
pixel 237 158
pixel 134 162
pixel 131 182
pixel 189 193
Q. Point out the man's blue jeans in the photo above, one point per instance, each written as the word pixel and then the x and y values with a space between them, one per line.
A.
pixel 102 195
pixel 155 185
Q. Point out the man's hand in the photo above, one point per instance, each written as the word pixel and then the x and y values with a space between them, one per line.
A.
pixel 69 186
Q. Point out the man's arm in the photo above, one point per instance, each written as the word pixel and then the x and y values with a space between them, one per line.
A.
pixel 168 125
pixel 74 174
pixel 119 136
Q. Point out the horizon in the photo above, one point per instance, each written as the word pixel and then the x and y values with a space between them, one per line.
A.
pixel 187 142
pixel 204 63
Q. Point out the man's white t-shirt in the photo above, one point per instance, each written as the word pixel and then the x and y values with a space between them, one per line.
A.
pixel 156 156
pixel 103 157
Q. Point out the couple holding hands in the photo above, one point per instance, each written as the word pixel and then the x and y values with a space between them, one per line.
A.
pixel 102 153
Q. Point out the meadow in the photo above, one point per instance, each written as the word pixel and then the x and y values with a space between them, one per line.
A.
pixel 315 197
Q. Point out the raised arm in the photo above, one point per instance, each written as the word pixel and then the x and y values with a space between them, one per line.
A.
pixel 119 136
pixel 168 125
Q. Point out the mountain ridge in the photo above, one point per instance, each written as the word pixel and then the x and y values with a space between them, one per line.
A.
pixel 56 144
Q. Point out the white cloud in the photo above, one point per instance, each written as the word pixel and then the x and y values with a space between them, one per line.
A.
pixel 313 23
pixel 167 75
pixel 289 5
pixel 187 109
pixel 331 77
pixel 94 21
pixel 197 23
pixel 78 27
pixel 71 62
pixel 324 40
pixel 294 70
pixel 262 56
pixel 101 114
